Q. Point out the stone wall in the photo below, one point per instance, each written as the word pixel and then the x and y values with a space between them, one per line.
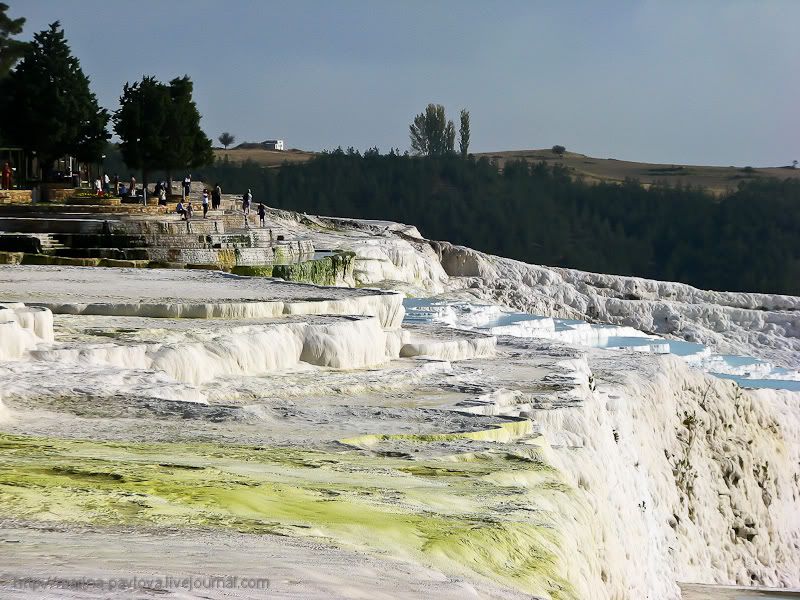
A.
pixel 15 196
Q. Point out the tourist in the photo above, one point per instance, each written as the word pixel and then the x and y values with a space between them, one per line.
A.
pixel 205 203
pixel 189 210
pixel 187 186
pixel 6 176
pixel 162 196
pixel 216 197
pixel 262 213
pixel 106 183
pixel 98 186
pixel 180 209
pixel 116 184
pixel 132 188
pixel 246 200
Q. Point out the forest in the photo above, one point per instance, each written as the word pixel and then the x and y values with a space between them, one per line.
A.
pixel 746 240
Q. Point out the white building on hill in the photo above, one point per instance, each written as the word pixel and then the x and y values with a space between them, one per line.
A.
pixel 273 145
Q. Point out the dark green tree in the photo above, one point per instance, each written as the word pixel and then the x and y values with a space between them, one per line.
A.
pixel 141 123
pixel 159 127
pixel 463 133
pixel 188 146
pixel 49 107
pixel 226 138
pixel 431 133
pixel 10 50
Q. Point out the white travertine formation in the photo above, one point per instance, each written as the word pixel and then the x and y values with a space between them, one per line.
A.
pixel 664 473
pixel 22 328
pixel 193 294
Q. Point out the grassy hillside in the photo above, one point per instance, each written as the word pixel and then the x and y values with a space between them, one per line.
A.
pixel 264 158
pixel 716 179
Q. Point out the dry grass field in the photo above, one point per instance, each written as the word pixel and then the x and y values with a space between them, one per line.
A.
pixel 590 169
pixel 267 158
pixel 715 179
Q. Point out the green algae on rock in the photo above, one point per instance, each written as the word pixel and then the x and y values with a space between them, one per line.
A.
pixel 336 269
pixel 464 523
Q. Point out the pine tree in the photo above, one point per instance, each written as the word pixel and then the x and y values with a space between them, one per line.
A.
pixel 159 127
pixel 49 107
pixel 141 122
pixel 188 147
pixel 10 50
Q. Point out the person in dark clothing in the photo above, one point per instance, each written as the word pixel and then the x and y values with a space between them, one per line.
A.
pixel 262 212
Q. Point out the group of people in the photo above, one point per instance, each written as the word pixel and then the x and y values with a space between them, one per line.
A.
pixel 106 185
pixel 213 200
pixel 185 208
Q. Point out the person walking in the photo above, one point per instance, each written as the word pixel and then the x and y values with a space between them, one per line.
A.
pixel 262 213
pixel 132 189
pixel 247 199
pixel 216 197
pixel 205 203
pixel 189 210
pixel 187 186
pixel 116 184
pixel 106 183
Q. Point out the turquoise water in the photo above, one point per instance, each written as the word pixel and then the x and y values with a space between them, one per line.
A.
pixel 485 317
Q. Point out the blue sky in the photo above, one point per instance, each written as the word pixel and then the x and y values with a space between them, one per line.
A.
pixel 710 82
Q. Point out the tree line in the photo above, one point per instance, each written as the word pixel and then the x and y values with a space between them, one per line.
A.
pixel 747 240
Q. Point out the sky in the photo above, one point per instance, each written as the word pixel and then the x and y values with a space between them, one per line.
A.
pixel 711 82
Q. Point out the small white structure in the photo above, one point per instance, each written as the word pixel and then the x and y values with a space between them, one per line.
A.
pixel 273 144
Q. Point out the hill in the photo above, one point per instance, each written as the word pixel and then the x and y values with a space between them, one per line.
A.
pixel 745 239
pixel 591 169
pixel 264 158
pixel 717 180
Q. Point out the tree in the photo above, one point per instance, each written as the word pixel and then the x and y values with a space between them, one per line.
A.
pixel 50 109
pixel 431 133
pixel 189 147
pixel 463 133
pixel 141 122
pixel 226 139
pixel 10 50
pixel 558 150
pixel 159 127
